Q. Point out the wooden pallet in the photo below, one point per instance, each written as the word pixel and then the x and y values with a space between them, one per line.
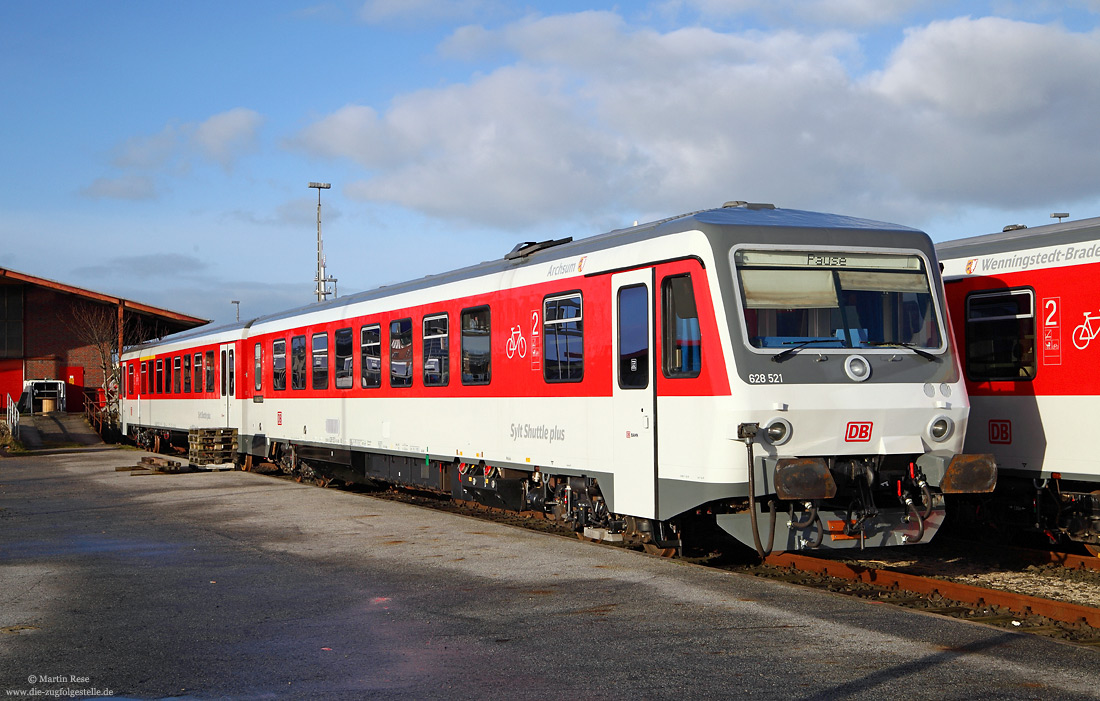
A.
pixel 213 432
pixel 212 444
pixel 212 448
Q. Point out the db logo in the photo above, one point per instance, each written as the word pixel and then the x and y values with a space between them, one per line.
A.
pixel 1000 431
pixel 858 432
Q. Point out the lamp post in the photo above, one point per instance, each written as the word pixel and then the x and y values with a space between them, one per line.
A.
pixel 238 303
pixel 321 279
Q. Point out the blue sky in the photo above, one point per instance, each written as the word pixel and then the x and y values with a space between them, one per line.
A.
pixel 162 151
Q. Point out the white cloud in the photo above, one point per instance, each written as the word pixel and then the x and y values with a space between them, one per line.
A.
pixel 504 150
pixel 384 11
pixel 153 265
pixel 353 131
pixel 148 151
pixel 596 117
pixel 225 137
pixel 993 111
pixel 843 13
pixel 128 187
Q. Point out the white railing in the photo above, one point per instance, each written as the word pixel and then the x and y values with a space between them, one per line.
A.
pixel 13 417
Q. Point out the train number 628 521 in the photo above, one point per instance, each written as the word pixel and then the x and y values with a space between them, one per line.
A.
pixel 762 378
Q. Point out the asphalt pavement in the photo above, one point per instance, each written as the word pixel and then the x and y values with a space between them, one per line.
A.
pixel 236 585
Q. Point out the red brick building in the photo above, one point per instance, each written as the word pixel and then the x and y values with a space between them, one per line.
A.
pixel 50 330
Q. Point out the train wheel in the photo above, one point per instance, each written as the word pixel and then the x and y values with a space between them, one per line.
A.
pixel 660 552
pixel 655 537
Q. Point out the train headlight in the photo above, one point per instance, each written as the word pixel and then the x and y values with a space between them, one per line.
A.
pixel 857 368
pixel 941 428
pixel 778 431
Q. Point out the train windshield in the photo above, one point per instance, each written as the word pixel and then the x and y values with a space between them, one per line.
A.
pixel 836 300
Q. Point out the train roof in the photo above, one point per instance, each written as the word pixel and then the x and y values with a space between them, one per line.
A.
pixel 731 214
pixel 1021 238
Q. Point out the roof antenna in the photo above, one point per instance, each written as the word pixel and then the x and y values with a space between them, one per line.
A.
pixel 1059 216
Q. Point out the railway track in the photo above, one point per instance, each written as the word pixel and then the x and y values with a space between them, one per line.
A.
pixel 995 587
pixel 1074 622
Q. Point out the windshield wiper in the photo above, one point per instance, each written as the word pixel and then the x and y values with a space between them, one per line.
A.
pixel 778 357
pixel 922 353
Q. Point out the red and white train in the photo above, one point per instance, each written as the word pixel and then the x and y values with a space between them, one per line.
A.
pixel 727 364
pixel 1026 310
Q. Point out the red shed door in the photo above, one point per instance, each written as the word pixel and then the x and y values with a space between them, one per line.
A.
pixel 11 380
pixel 74 387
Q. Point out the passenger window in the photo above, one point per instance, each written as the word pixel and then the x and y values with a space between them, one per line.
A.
pixel 176 374
pixel 320 361
pixel 225 376
pixel 1000 335
pixel 435 351
pixel 370 340
pixel 129 378
pixel 634 337
pixel 682 348
pixel 298 362
pixel 198 372
pixel 476 361
pixel 345 361
pixel 278 364
pixel 160 377
pixel 258 367
pixel 401 353
pixel 232 375
pixel 187 374
pixel 563 336
pixel 209 371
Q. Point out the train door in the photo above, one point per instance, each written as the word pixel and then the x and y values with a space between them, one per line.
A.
pixel 228 387
pixel 145 391
pixel 634 393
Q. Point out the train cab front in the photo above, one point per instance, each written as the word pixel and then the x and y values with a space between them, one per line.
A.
pixel 853 407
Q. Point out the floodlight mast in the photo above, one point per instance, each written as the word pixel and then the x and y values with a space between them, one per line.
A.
pixel 322 280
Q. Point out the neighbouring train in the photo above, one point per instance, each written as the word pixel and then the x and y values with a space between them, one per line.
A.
pixel 1026 310
pixel 786 374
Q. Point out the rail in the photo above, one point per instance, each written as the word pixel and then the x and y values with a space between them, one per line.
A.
pixel 13 417
pixel 1018 603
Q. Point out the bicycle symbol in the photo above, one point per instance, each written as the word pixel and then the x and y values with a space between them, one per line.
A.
pixel 1086 331
pixel 516 343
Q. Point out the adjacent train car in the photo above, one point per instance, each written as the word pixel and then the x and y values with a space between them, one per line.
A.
pixel 731 364
pixel 1026 307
